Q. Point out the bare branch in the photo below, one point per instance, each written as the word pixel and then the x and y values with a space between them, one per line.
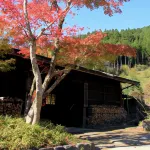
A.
pixel 26 18
pixel 63 14
pixel 32 87
pixel 57 47
pixel 55 4
pixel 59 79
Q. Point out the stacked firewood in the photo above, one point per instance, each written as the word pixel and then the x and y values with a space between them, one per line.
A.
pixel 10 106
pixel 106 115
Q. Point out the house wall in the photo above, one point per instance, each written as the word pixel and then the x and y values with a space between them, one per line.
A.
pixel 14 83
pixel 70 108
pixel 72 99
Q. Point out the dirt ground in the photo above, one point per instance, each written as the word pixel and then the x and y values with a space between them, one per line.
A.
pixel 131 136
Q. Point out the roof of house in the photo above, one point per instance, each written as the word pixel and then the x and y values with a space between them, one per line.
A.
pixel 107 75
pixel 89 71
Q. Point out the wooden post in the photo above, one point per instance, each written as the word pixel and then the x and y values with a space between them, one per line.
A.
pixel 121 99
pixel 85 105
pixel 125 59
pixel 120 61
pixel 127 104
pixel 117 64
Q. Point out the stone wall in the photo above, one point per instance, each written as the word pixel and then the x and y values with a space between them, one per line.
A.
pixel 79 146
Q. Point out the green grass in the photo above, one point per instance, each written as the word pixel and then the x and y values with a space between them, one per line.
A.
pixel 15 134
pixel 139 73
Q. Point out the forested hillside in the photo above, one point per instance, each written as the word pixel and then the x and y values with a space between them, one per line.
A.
pixel 137 38
pixel 135 68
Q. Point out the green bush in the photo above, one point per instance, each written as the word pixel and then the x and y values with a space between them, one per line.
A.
pixel 15 134
pixel 141 67
pixel 125 70
pixel 146 73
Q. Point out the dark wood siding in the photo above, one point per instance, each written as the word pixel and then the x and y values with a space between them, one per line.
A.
pixel 71 105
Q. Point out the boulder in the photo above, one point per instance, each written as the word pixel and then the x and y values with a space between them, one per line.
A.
pixel 146 125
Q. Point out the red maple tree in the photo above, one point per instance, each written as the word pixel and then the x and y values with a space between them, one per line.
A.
pixel 36 26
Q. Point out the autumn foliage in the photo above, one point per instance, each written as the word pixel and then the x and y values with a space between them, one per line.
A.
pixel 42 14
pixel 76 50
pixel 37 27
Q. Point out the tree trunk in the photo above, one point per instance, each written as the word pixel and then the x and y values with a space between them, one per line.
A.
pixel 29 98
pixel 33 115
pixel 120 61
pixel 37 107
pixel 142 55
pixel 125 60
pixel 129 62
pixel 137 58
pixel 114 64
pixel 135 62
pixel 117 64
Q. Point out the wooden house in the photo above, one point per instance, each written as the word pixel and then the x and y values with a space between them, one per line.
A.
pixel 73 101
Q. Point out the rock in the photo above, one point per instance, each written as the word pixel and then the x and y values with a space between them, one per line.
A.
pixel 48 148
pixel 146 125
pixel 70 147
pixel 59 148
pixel 87 147
pixel 33 148
pixel 92 146
pixel 80 146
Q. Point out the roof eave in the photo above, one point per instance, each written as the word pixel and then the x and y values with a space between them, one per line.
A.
pixel 105 75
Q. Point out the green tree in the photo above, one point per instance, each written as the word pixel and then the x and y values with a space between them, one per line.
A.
pixel 5 64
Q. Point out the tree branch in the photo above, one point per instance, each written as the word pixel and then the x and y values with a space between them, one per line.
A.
pixel 32 87
pixel 26 18
pixel 57 47
pixel 63 14
pixel 59 79
pixel 55 4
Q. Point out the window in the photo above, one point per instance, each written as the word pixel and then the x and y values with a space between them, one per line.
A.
pixel 51 99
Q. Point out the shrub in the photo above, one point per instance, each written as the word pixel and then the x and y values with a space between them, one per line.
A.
pixel 147 74
pixel 125 70
pixel 141 67
pixel 15 134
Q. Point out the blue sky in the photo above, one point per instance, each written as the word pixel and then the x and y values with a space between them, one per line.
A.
pixel 135 14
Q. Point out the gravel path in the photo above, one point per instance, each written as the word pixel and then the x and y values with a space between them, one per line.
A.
pixel 145 147
pixel 119 139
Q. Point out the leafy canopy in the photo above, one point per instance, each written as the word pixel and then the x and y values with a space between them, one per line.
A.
pixel 44 17
pixel 5 64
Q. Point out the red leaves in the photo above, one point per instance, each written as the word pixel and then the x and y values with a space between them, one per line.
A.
pixel 76 49
pixel 43 12
pixel 109 6
pixel 121 50
pixel 25 52
pixel 44 16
